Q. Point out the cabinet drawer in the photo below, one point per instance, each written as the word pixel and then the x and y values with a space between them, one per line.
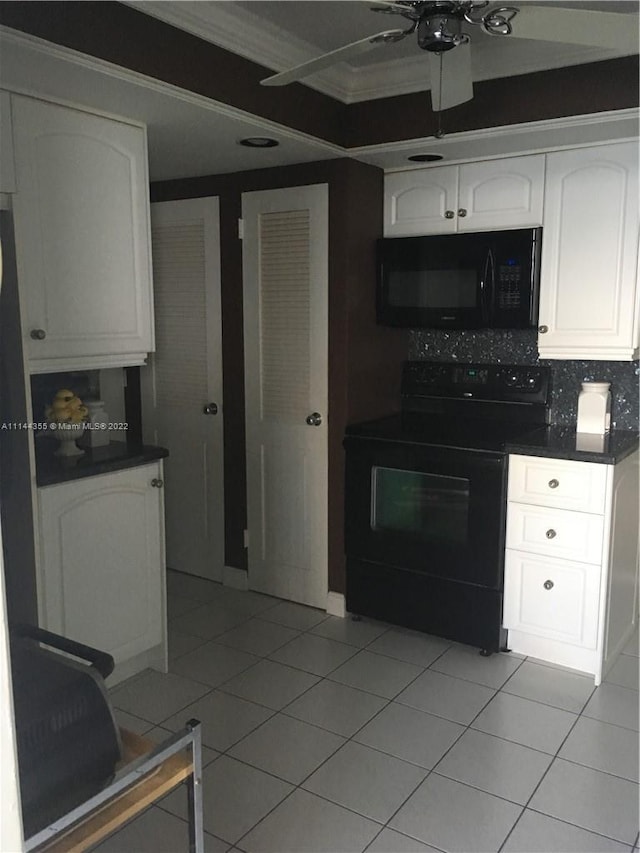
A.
pixel 558 483
pixel 556 532
pixel 552 598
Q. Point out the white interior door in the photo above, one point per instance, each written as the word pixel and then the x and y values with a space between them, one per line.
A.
pixel 285 270
pixel 182 387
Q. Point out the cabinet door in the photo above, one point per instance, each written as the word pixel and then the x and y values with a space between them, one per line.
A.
pixel 590 253
pixel 82 237
pixel 551 598
pixel 500 194
pixel 419 201
pixel 101 570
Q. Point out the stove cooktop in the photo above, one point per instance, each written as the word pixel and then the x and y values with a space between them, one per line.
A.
pixel 464 406
pixel 442 431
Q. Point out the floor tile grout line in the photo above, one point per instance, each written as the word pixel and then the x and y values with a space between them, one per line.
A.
pixel 468 726
pixel 555 757
pixel 577 826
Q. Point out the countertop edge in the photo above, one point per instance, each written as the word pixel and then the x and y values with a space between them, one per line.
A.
pixel 51 471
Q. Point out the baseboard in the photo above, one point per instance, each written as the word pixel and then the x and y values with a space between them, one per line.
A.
pixel 235 578
pixel 336 604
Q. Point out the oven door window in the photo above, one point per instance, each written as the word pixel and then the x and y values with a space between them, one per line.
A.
pixel 425 506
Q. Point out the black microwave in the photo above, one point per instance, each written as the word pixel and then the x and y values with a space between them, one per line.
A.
pixel 483 280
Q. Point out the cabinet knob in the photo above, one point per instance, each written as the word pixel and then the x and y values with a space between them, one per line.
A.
pixel 553 484
pixel 543 329
pixel 548 584
pixel 462 211
pixel 38 334
pixel 157 483
pixel 314 419
pixel 210 409
pixel 551 534
pixel 449 214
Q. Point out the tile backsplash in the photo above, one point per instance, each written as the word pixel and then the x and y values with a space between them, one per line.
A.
pixel 520 347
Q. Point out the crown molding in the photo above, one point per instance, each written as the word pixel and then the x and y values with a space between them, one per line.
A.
pixel 236 29
pixel 507 140
pixel 249 36
pixel 118 72
pixel 406 76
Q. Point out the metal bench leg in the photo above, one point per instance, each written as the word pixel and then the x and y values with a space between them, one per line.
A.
pixel 194 793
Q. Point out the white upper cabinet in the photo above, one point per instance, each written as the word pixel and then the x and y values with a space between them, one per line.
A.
pixel 421 201
pixel 493 194
pixel 588 289
pixel 82 237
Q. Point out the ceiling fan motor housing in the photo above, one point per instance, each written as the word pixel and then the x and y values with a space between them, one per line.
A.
pixel 440 33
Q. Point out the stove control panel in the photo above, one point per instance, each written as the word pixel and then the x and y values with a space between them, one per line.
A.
pixel 506 383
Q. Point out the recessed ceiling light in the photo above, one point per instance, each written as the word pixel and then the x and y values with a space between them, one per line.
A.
pixel 425 158
pixel 259 142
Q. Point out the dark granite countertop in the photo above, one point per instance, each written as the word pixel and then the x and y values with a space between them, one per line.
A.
pixel 562 442
pixel 116 456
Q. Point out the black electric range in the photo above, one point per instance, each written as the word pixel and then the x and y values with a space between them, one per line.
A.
pixel 425 498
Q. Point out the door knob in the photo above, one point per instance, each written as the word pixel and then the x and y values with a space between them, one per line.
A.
pixel 210 409
pixel 314 419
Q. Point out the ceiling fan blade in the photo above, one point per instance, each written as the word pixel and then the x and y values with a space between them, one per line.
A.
pixel 450 82
pixel 327 59
pixel 385 6
pixel 578 26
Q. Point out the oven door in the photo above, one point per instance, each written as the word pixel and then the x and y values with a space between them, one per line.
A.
pixel 433 510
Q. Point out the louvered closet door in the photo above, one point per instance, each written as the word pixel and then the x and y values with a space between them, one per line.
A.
pixel 285 261
pixel 184 376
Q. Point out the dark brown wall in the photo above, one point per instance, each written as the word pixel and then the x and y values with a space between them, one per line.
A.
pixel 577 90
pixel 131 39
pixel 126 37
pixel 364 359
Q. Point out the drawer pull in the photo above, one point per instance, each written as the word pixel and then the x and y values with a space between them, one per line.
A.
pixel 553 484
pixel 548 584
pixel 551 534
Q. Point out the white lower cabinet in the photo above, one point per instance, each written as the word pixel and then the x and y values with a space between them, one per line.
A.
pixel 101 571
pixel 571 566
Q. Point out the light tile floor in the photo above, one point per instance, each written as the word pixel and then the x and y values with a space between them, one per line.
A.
pixel 324 734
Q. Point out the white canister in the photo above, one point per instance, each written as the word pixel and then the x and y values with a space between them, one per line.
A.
pixel 594 408
pixel 96 433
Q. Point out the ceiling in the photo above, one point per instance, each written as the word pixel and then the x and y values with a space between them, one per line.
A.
pixel 191 135
pixel 283 33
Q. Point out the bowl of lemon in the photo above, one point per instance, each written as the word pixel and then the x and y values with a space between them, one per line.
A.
pixel 66 416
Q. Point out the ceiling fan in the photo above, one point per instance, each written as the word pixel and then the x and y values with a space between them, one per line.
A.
pixel 439 28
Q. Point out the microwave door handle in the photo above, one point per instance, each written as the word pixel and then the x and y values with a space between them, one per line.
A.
pixel 484 305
